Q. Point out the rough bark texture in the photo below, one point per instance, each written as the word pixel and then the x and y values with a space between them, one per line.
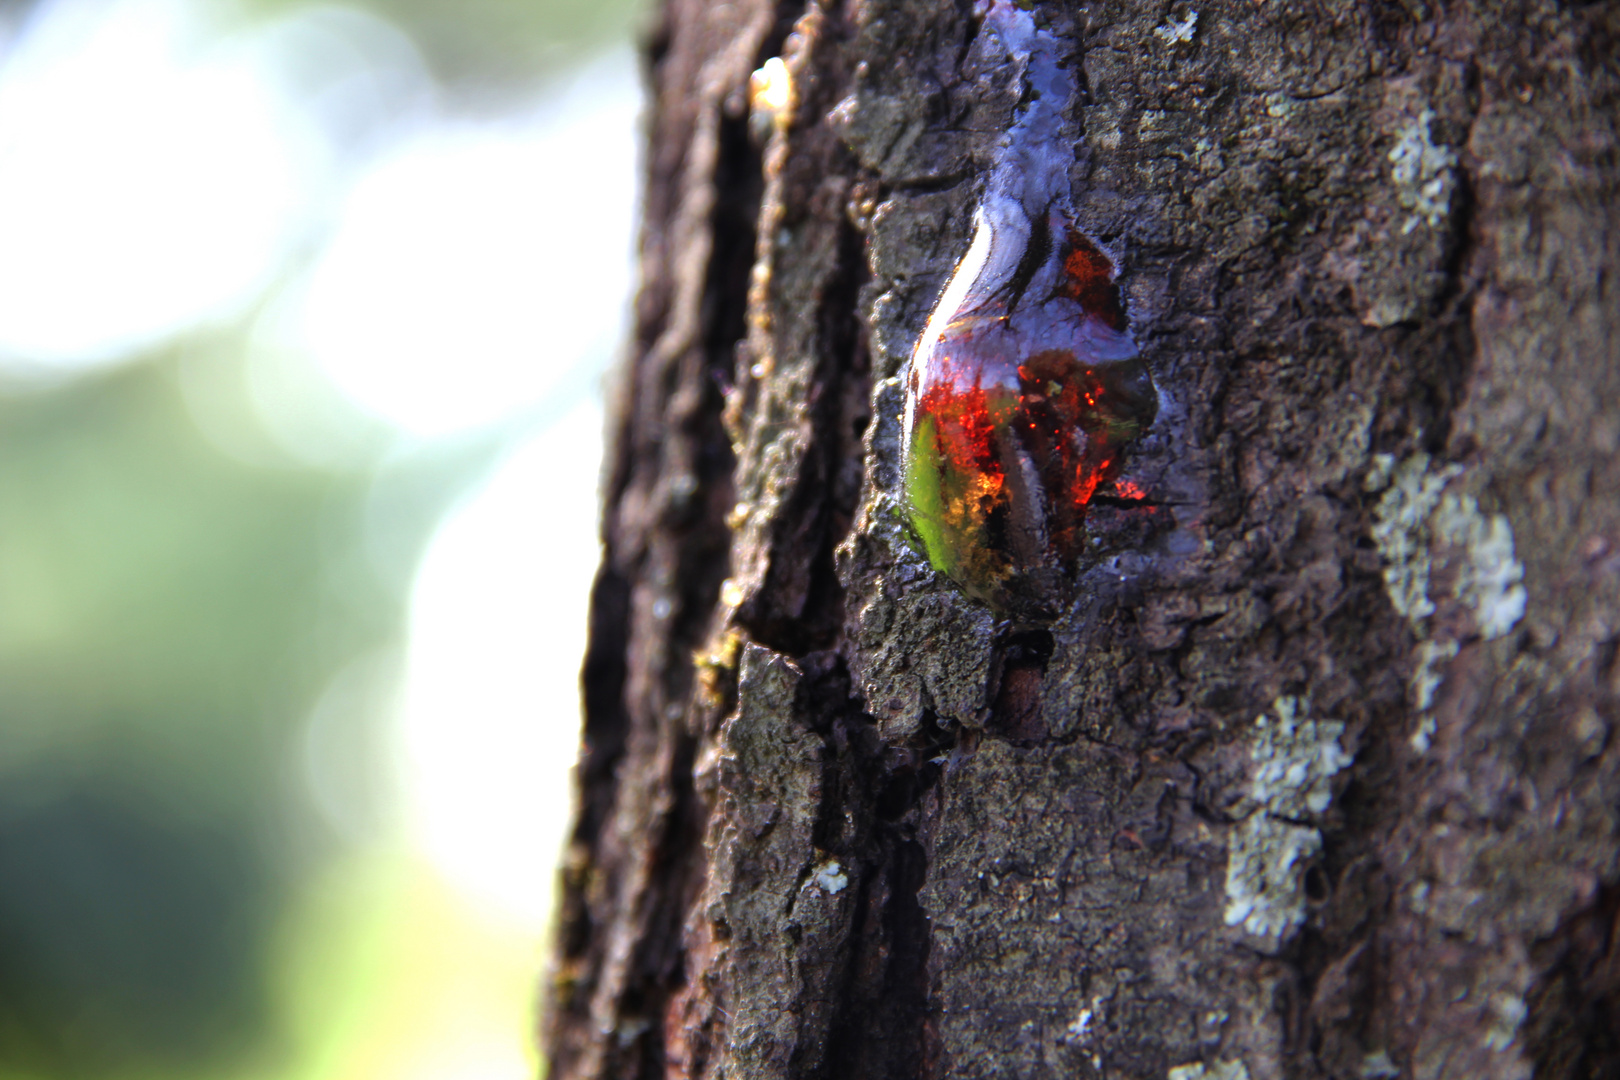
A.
pixel 1319 782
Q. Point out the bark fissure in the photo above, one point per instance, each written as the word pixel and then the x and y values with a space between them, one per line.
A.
pixel 629 877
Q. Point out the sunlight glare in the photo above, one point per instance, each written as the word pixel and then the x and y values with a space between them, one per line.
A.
pixel 146 183
pixel 490 724
pixel 516 280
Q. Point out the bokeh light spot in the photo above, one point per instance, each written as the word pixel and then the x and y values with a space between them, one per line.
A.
pixel 146 182
pixel 473 313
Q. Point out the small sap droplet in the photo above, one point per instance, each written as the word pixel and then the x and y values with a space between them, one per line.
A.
pixel 770 89
pixel 1021 396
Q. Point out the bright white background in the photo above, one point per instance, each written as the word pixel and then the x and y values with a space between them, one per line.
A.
pixel 402 275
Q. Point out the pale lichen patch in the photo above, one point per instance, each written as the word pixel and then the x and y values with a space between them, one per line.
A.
pixel 829 877
pixel 1294 760
pixel 1488 581
pixel 1401 530
pixel 1419 525
pixel 1424 173
pixel 1423 734
pixel 1219 1070
pixel 1431 654
pixel 1425 681
pixel 1176 31
pixel 1263 865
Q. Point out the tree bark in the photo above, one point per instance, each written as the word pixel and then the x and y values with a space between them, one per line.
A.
pixel 1317 776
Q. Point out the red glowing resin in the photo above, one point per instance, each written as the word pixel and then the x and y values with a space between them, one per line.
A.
pixel 1021 398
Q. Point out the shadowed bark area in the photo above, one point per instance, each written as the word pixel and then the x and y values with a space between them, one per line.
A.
pixel 1317 777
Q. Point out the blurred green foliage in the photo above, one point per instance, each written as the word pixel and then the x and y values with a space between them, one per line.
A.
pixel 485 43
pixel 169 615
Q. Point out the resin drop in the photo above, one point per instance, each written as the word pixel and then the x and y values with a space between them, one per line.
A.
pixel 1026 388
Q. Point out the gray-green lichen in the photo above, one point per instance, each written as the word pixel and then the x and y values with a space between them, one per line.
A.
pixel 1294 761
pixel 1488 580
pixel 1401 529
pixel 1422 529
pixel 1264 861
pixel 1423 173
pixel 1431 654
pixel 1395 257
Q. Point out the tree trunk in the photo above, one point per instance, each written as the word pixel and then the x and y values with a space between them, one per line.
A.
pixel 1314 774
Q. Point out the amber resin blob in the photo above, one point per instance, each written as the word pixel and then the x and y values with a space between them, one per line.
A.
pixel 1026 388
